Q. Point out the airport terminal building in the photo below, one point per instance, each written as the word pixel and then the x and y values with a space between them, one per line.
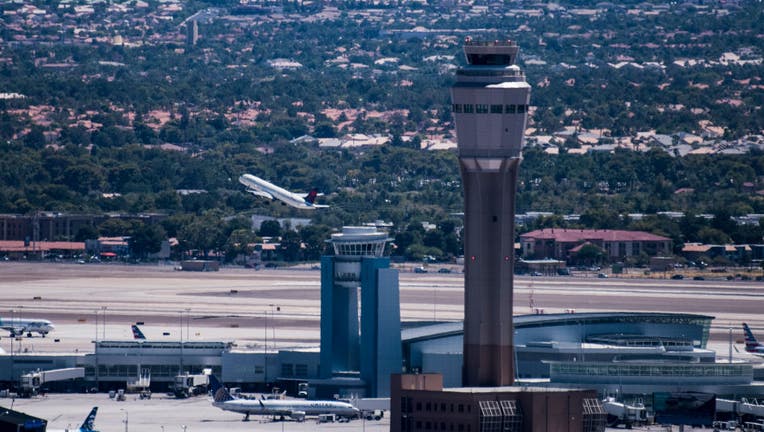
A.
pixel 624 351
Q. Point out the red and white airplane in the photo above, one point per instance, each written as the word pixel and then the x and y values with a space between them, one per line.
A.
pixel 257 186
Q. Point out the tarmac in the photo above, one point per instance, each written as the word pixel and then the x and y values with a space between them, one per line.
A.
pixel 281 307
pixel 164 413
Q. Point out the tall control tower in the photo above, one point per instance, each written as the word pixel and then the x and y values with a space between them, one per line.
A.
pixel 490 104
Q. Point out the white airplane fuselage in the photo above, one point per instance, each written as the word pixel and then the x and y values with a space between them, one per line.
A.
pixel 266 189
pixel 19 326
pixel 288 408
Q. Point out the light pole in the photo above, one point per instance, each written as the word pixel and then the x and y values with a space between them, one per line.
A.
pixel 188 323
pixel 13 336
pixel 125 420
pixel 180 370
pixel 265 357
pixel 103 308
pixel 273 325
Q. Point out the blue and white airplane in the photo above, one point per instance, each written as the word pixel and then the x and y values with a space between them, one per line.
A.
pixel 257 186
pixel 295 409
pixel 751 344
pixel 19 326
pixel 87 426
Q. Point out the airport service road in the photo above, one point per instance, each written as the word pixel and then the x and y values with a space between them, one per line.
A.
pixel 241 304
pixel 162 413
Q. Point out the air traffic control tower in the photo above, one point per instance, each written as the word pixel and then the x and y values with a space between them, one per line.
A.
pixel 490 104
pixel 351 356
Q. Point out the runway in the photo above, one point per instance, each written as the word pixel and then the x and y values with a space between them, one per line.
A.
pixel 235 303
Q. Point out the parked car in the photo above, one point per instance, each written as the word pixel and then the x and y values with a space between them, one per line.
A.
pixel 420 270
pixel 602 276
pixel 698 278
pixel 677 277
pixel 444 270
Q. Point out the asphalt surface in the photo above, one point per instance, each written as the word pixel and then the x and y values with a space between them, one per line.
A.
pixel 100 301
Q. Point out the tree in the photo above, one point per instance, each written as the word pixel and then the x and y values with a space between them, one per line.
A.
pixel 270 228
pixel 239 243
pixel 291 246
pixel 86 232
pixel 590 254
pixel 202 234
pixel 146 239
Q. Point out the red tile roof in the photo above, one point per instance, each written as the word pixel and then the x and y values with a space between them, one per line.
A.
pixel 18 246
pixel 576 235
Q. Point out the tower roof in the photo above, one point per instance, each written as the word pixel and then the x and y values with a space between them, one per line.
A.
pixel 490 53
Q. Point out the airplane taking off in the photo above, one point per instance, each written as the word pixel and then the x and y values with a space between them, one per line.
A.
pixel 751 344
pixel 18 326
pixel 295 409
pixel 137 333
pixel 87 426
pixel 262 188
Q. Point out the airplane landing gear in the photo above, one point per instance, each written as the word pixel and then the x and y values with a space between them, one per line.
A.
pixel 246 417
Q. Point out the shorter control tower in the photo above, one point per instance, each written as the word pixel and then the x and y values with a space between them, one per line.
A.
pixel 373 351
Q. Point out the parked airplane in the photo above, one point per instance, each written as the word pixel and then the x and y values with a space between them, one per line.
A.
pixel 137 333
pixel 18 326
pixel 296 409
pixel 751 344
pixel 260 187
pixel 87 426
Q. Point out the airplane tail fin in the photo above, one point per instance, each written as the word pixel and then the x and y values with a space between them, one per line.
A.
pixel 219 393
pixel 311 196
pixel 89 423
pixel 750 339
pixel 137 333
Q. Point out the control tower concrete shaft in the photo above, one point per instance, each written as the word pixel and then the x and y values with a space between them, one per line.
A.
pixel 490 104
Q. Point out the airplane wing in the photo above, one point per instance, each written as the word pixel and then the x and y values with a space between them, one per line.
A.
pixel 260 193
pixel 15 330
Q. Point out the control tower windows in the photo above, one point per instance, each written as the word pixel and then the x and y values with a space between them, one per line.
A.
pixel 481 108
pixel 496 109
pixel 489 59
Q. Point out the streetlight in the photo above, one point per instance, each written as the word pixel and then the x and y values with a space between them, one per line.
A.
pixel 188 323
pixel 103 308
pixel 273 317
pixel 125 420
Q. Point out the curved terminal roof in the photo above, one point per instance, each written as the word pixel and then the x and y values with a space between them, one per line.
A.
pixel 440 330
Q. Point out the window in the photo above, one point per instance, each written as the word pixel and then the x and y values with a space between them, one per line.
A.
pixel 511 109
pixel 461 408
pixel 496 109
pixel 419 406
pixel 427 406
pixel 286 369
pixel 301 370
pixel 259 369
pixel 469 108
pixel 481 108
pixel 521 109
pixel 456 108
